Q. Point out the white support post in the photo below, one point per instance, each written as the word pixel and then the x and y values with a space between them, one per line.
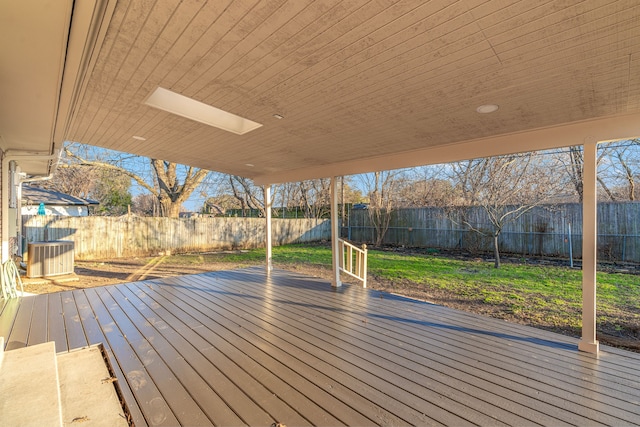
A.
pixel 588 343
pixel 335 234
pixel 267 215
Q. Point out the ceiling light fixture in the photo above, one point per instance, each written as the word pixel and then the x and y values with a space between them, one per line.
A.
pixel 278 116
pixel 487 108
pixel 184 106
pixel 249 164
pixel 139 138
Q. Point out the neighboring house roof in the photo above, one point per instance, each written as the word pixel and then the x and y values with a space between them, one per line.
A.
pixel 35 196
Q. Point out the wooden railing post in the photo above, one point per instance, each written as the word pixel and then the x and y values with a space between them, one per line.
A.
pixel 363 265
pixel 346 265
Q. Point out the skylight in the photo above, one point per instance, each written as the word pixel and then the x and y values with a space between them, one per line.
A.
pixel 184 106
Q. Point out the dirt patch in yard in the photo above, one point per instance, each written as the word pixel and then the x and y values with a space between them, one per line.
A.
pixel 90 274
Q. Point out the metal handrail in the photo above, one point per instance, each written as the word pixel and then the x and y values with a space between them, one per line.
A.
pixel 353 261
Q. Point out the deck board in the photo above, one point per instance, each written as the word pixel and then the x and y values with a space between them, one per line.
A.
pixel 236 339
pixel 524 363
pixel 7 317
pixel 38 332
pixel 356 367
pixel 55 322
pixel 218 351
pixel 355 357
pixel 188 364
pixel 177 397
pixel 227 347
pixel 75 335
pixel 535 358
pixel 152 404
pixel 18 337
pixel 95 336
pixel 362 352
pixel 240 348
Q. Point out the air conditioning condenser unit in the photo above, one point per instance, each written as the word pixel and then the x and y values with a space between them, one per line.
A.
pixel 46 259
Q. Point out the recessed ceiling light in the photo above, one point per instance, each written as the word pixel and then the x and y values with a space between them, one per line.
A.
pixel 139 138
pixel 249 164
pixel 487 108
pixel 184 106
pixel 278 116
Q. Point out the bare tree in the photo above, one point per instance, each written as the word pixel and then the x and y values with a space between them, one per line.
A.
pixel 73 180
pixel 145 205
pixel 313 196
pixel 574 169
pixel 419 192
pixel 572 162
pixel 425 186
pixel 310 198
pixel 249 195
pixel 629 176
pixel 624 168
pixel 505 188
pixel 109 188
pixel 171 187
pixel 219 205
pixel 383 199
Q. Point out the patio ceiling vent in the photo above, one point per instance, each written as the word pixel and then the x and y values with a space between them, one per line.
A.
pixel 46 259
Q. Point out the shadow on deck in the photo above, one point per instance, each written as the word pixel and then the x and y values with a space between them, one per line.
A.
pixel 240 347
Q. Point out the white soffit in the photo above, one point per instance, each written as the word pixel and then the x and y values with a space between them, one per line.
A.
pixel 189 108
pixel 46 49
pixel 32 53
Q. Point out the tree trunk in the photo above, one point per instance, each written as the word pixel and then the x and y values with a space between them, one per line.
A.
pixel 496 250
pixel 628 172
pixel 173 210
pixel 577 161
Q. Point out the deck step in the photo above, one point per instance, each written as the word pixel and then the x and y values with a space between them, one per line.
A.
pixel 42 388
pixel 29 387
pixel 87 391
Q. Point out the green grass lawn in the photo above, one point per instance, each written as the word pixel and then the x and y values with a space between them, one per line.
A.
pixel 547 296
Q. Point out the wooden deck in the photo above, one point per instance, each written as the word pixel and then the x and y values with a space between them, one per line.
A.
pixel 236 347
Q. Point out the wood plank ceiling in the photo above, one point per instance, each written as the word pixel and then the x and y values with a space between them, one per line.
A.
pixel 355 80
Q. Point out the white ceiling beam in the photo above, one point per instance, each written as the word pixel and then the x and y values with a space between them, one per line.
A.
pixel 577 133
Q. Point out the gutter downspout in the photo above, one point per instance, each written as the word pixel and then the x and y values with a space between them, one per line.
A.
pixel 9 156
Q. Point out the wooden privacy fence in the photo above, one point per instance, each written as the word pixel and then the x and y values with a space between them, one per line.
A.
pixel 552 230
pixel 97 237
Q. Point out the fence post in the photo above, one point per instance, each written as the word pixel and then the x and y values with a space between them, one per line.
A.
pixel 570 248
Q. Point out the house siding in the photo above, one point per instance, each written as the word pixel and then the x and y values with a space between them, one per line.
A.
pixel 2 237
pixel 57 210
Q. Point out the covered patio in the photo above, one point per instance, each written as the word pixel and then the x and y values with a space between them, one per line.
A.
pixel 244 347
pixel 280 91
